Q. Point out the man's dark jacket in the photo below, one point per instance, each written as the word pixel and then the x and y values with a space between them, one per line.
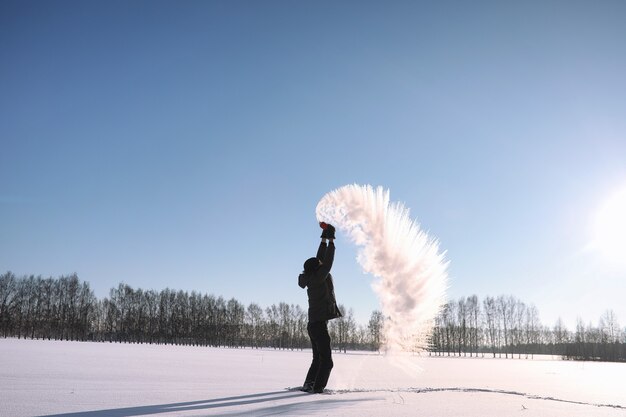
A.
pixel 320 288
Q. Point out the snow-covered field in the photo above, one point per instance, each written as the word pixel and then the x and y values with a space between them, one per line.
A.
pixel 40 378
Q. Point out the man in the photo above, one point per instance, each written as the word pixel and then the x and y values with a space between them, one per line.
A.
pixel 322 307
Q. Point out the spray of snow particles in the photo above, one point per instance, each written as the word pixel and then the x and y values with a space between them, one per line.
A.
pixel 411 272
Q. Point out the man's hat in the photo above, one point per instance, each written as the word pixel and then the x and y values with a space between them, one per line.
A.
pixel 311 264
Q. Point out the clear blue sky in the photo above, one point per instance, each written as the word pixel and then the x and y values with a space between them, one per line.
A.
pixel 186 144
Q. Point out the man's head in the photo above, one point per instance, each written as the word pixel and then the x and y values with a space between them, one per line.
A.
pixel 311 264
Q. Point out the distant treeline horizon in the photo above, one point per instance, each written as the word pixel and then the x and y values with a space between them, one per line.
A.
pixel 65 308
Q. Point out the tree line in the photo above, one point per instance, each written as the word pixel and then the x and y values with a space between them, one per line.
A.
pixel 65 308
pixel 505 326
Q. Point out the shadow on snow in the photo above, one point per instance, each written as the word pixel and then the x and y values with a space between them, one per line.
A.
pixel 216 403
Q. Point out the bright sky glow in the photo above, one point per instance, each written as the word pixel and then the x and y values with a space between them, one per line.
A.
pixel 610 228
pixel 186 144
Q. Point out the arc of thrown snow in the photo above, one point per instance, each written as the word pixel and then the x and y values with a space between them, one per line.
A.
pixel 411 272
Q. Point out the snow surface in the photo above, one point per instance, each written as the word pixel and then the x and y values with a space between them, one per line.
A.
pixel 74 379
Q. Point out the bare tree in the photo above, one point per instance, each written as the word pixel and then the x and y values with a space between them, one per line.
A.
pixel 532 329
pixel 461 330
pixel 473 310
pixel 490 310
pixel 610 326
pixel 7 294
pixel 273 326
pixel 519 314
pixel 506 306
pixel 451 327
pixel 375 329
pixel 254 324
pixel 342 329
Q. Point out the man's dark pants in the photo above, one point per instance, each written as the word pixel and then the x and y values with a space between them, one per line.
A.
pixel 322 358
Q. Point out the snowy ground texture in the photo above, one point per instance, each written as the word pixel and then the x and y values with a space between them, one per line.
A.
pixel 71 379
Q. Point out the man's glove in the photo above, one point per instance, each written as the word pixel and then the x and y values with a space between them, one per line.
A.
pixel 328 231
